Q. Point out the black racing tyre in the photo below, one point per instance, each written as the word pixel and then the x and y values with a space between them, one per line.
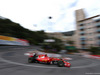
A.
pixel 48 63
pixel 60 63
pixel 52 62
pixel 30 60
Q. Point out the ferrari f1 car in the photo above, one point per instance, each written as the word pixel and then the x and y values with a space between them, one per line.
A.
pixel 48 60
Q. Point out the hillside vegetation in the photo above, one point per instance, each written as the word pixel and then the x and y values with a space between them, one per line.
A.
pixel 9 28
pixel 12 29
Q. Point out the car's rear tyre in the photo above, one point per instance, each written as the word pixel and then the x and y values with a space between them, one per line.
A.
pixel 53 62
pixel 60 63
pixel 30 60
pixel 48 63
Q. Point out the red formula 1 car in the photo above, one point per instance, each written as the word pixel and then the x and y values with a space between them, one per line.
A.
pixel 49 60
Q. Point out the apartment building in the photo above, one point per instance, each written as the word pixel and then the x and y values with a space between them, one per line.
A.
pixel 87 30
pixel 55 34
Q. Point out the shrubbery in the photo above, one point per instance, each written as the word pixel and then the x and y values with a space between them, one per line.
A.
pixel 95 50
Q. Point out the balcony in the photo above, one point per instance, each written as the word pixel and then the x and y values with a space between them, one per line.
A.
pixel 81 24
pixel 98 25
pixel 98 31
pixel 82 28
pixel 82 33
pixel 83 43
pixel 98 37
pixel 82 39
pixel 97 20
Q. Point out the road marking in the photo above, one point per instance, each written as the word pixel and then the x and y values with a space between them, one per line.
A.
pixel 16 63
pixel 91 65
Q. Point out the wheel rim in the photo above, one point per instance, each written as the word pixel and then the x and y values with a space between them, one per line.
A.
pixel 61 64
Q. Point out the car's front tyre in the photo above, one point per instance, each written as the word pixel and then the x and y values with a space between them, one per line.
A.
pixel 60 63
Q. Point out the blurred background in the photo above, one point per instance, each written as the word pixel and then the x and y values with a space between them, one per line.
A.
pixel 66 27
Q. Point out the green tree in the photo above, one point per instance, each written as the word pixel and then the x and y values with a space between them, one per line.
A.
pixel 95 50
pixel 12 29
pixel 70 42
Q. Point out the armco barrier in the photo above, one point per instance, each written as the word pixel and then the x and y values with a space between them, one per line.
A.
pixel 92 56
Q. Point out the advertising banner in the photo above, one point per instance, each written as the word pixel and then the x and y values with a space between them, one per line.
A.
pixel 5 40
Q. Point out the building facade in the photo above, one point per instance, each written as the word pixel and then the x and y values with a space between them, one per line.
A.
pixel 87 30
pixel 62 37
pixel 56 35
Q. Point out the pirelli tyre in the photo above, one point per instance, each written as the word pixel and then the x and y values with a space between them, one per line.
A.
pixel 30 60
pixel 52 62
pixel 60 63
pixel 48 63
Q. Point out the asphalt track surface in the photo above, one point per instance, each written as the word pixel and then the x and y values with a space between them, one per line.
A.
pixel 14 62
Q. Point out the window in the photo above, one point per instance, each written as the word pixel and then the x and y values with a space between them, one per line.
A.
pixel 81 24
pixel 82 38
pixel 98 30
pixel 98 36
pixel 82 33
pixel 98 24
pixel 83 43
pixel 97 20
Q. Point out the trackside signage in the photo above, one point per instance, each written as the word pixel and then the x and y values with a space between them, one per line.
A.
pixel 6 40
pixel 49 40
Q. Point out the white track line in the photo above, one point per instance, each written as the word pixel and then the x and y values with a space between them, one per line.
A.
pixel 16 63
